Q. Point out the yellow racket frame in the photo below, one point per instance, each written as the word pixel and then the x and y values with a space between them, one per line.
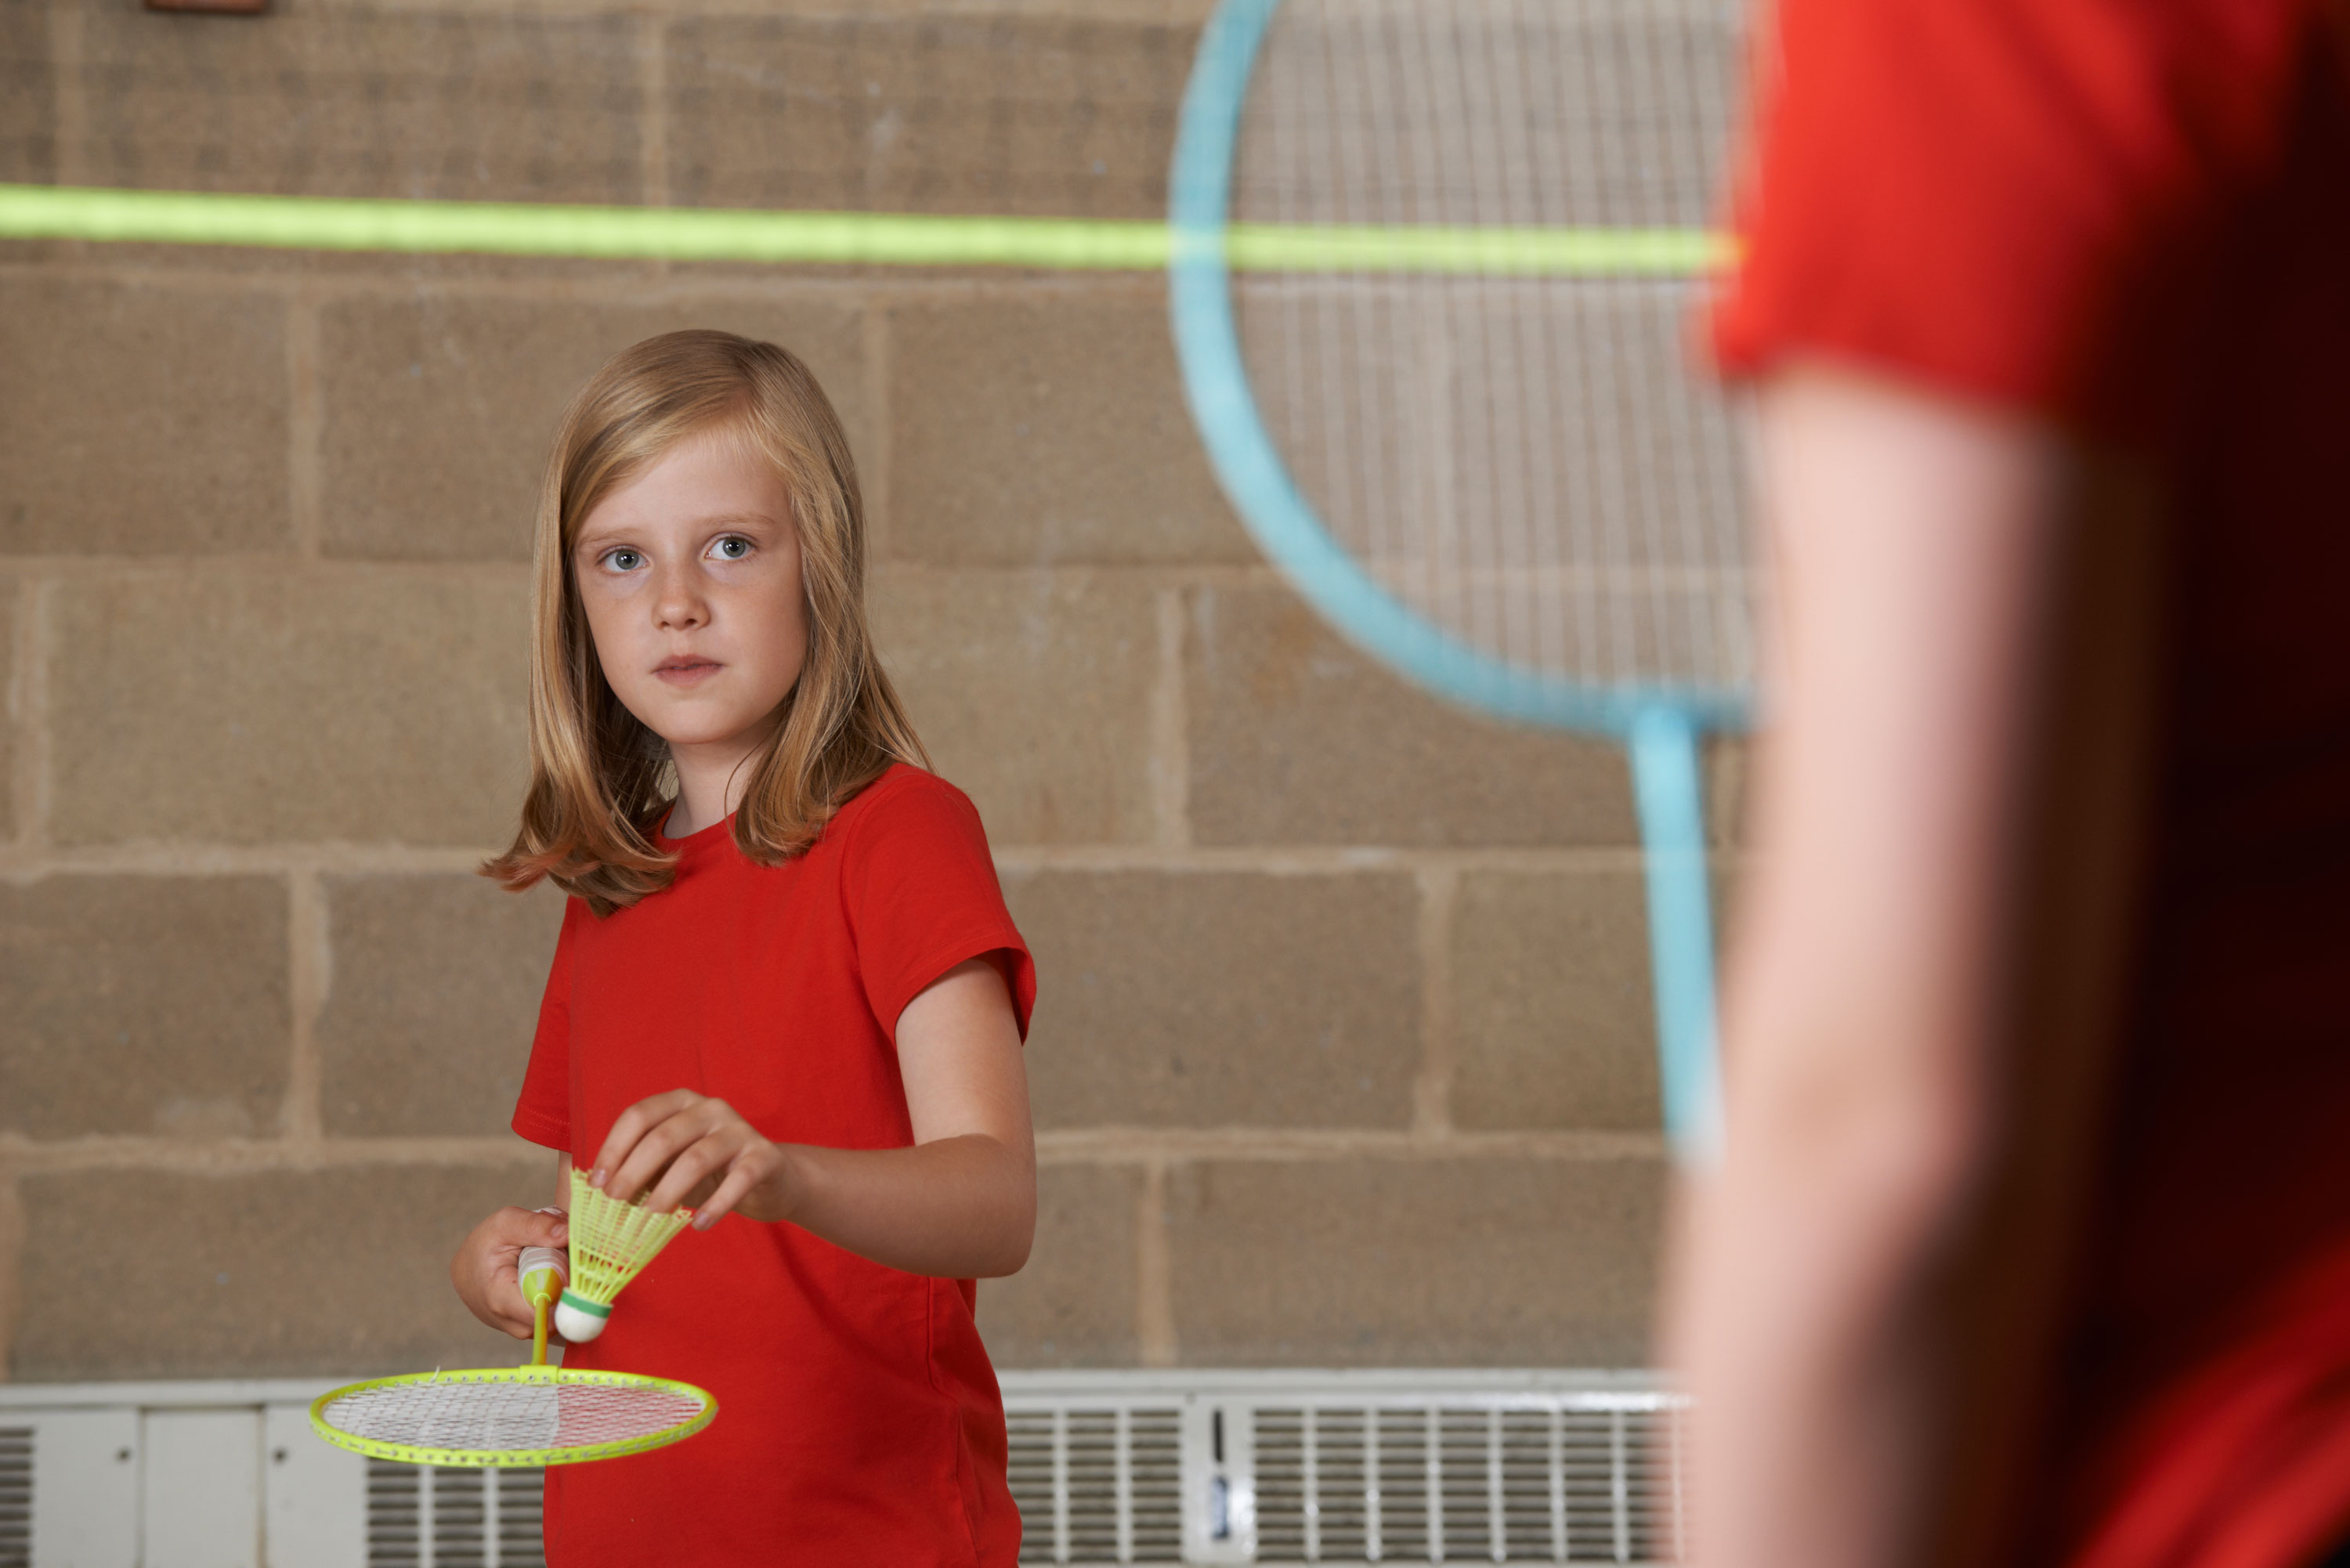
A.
pixel 541 1291
pixel 406 1453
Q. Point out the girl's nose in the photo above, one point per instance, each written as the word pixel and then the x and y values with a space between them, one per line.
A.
pixel 679 606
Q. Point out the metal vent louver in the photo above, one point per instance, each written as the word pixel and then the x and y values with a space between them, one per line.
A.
pixel 1100 1485
pixel 427 1518
pixel 1449 1483
pixel 1353 1468
pixel 16 1497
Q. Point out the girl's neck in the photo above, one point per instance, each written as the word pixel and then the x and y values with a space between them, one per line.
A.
pixel 711 780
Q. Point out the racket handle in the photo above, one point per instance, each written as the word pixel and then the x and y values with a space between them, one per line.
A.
pixel 1670 795
pixel 544 1272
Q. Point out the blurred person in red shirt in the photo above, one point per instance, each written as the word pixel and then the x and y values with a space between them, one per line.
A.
pixel 2031 1243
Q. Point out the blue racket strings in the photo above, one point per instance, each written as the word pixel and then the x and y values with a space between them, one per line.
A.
pixel 1512 487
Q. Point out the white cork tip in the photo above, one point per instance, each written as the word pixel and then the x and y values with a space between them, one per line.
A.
pixel 576 1326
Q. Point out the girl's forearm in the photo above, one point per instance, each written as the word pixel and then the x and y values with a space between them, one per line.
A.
pixel 960 1203
pixel 958 1208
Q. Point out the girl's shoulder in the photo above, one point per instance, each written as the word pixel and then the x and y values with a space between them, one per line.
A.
pixel 905 798
pixel 912 841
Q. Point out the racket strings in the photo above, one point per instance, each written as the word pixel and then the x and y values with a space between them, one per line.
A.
pixel 498 1415
pixel 1529 464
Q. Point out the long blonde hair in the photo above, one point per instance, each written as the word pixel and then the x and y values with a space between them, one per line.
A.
pixel 599 779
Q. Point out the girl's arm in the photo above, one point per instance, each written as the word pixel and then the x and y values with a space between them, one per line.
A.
pixel 1913 539
pixel 960 1204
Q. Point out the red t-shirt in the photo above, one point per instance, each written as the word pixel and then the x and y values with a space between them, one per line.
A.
pixel 858 1419
pixel 2133 217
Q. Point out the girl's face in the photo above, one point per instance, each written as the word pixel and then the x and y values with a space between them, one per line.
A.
pixel 690 575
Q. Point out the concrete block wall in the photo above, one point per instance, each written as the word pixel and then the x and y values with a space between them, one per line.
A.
pixel 1342 1056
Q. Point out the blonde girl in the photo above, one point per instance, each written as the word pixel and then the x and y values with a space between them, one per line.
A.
pixel 786 991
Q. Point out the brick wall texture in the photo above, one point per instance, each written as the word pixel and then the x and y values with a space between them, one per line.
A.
pixel 1342 1056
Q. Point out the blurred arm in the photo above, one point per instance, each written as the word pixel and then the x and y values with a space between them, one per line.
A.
pixel 1913 542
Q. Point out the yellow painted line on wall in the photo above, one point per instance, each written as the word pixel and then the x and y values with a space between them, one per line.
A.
pixel 854 239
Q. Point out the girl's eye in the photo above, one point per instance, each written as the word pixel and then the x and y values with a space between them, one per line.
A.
pixel 623 560
pixel 732 547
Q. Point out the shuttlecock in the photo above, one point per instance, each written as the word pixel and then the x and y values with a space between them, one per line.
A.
pixel 611 1241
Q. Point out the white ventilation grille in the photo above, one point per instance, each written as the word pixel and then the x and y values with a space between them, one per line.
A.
pixel 419 1516
pixel 1200 1467
pixel 16 1497
pixel 1447 1483
pixel 1349 1467
pixel 1099 1484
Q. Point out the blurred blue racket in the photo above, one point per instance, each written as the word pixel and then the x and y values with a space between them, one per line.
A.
pixel 1468 431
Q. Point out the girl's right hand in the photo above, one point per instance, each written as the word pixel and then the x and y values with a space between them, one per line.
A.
pixel 484 1269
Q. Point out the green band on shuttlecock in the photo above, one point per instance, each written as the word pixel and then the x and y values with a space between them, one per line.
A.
pixel 581 1304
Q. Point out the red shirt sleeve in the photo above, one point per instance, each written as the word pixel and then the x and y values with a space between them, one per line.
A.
pixel 542 1113
pixel 1983 194
pixel 921 895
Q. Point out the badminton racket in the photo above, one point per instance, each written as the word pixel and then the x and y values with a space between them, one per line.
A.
pixel 1498 477
pixel 520 1416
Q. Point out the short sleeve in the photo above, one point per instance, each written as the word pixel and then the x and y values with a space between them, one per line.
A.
pixel 920 891
pixel 542 1113
pixel 1983 194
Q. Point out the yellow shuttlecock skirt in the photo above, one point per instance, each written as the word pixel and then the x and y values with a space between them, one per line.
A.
pixel 611 1241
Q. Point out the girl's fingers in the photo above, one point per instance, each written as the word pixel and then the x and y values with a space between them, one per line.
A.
pixel 493 1304
pixel 533 1230
pixel 647 1166
pixel 485 1271
pixel 704 1159
pixel 515 1229
pixel 731 1192
pixel 507 1320
pixel 631 1127
pixel 650 1156
pixel 693 1118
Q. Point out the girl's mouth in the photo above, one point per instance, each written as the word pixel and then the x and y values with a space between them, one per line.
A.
pixel 686 671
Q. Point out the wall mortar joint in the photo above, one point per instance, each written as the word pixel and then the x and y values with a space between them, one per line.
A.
pixel 309 973
pixel 1154 1282
pixel 1431 1090
pixel 1170 759
pixel 306 426
pixel 653 115
pixel 873 469
pixel 33 786
pixel 11 1266
pixel 71 104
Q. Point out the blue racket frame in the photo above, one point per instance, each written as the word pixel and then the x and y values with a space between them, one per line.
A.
pixel 1661 726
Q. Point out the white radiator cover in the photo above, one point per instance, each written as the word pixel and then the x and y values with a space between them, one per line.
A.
pixel 1197 1467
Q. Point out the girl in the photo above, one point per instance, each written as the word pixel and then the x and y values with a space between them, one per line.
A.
pixel 786 992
